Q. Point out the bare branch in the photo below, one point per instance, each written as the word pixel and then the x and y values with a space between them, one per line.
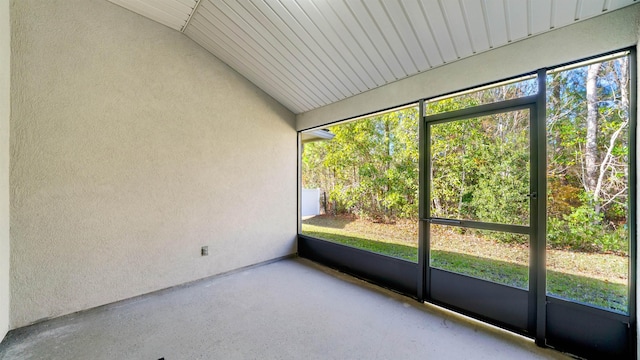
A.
pixel 607 159
pixel 615 196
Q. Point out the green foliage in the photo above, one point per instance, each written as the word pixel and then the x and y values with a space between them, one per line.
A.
pixel 584 289
pixel 480 167
pixel 399 251
pixel 582 216
pixel 501 272
pixel 583 229
pixel 370 167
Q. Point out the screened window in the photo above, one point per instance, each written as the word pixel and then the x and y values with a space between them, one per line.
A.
pixel 365 177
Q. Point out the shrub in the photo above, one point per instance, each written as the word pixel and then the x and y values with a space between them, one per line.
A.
pixel 585 230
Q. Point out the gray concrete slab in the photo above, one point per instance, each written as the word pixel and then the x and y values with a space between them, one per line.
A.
pixel 291 309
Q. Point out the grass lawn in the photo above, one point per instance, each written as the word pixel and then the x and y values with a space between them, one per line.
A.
pixel 597 279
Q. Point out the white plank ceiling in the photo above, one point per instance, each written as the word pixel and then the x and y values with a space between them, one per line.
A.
pixel 310 53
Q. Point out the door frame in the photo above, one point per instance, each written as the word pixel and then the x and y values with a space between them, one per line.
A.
pixel 562 324
pixel 519 315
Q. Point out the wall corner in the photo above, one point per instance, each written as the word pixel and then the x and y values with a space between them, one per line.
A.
pixel 5 106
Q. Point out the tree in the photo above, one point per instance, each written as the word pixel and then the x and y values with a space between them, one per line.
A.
pixel 370 167
pixel 591 147
pixel 480 166
pixel 588 146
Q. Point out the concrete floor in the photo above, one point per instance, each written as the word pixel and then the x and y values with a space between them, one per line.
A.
pixel 291 309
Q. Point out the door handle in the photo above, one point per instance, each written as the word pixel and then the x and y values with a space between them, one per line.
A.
pixel 533 195
pixel 444 221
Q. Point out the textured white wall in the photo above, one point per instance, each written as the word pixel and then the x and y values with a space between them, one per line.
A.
pixel 611 31
pixel 131 147
pixel 5 56
pixel 637 91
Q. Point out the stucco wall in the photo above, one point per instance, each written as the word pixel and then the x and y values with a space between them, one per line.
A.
pixel 610 31
pixel 131 147
pixel 5 56
pixel 638 181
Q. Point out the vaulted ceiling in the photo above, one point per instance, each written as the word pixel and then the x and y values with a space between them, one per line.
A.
pixel 310 53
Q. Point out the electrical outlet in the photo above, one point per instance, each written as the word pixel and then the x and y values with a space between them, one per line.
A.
pixel 204 251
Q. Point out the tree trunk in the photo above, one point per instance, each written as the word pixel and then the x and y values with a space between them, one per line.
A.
pixel 387 164
pixel 624 84
pixel 591 146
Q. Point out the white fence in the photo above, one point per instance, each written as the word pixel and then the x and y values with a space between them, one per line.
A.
pixel 310 202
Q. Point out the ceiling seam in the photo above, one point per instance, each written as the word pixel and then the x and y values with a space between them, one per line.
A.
pixel 554 19
pixel 241 64
pixel 486 23
pixel 341 90
pixel 384 61
pixel 306 72
pixel 576 17
pixel 445 17
pixel 309 54
pixel 397 72
pixel 467 26
pixel 193 11
pixel 435 41
pixel 529 17
pixel 359 45
pixel 551 15
pixel 322 33
pixel 356 58
pixel 204 40
pixel 316 60
pixel 507 20
pixel 404 70
pixel 320 58
pixel 402 40
pixel 265 70
pixel 415 33
pixel 334 91
pixel 265 53
pixel 318 93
